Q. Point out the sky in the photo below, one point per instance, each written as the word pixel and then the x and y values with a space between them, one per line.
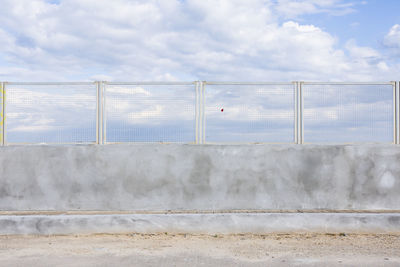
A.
pixel 187 40
pixel 199 40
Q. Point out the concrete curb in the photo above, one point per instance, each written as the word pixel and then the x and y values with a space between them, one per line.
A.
pixel 203 223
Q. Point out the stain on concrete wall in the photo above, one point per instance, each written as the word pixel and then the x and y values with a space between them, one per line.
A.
pixel 207 177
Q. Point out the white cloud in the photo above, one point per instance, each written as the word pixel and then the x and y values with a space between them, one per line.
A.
pixel 293 9
pixel 359 52
pixel 392 39
pixel 179 40
pixel 355 25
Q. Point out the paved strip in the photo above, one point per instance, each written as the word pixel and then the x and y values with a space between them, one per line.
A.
pixel 201 250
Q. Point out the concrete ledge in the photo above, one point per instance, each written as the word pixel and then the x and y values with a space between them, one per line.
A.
pixel 202 223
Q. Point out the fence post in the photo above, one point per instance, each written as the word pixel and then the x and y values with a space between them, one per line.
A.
pixel 100 122
pixel 301 114
pixel 103 111
pixel 97 112
pixel 397 112
pixel 200 114
pixel 296 113
pixel 3 113
pixel 203 116
pixel 197 112
pixel 299 127
pixel 102 104
pixel 394 104
pixel 98 115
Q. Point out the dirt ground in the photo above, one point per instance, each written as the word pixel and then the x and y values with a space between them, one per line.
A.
pixel 201 250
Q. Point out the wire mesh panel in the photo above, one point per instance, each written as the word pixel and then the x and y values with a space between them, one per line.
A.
pixel 344 113
pixel 150 112
pixel 250 113
pixel 50 113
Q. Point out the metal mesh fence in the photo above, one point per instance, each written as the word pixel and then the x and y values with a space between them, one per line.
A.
pixel 199 112
pixel 344 113
pixel 50 113
pixel 255 113
pixel 150 112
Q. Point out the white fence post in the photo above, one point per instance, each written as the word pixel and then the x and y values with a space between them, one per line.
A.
pixel 301 114
pixel 299 127
pixel 200 114
pixel 296 113
pixel 3 113
pixel 203 116
pixel 100 120
pixel 394 85
pixel 197 113
pixel 397 112
pixel 103 112
pixel 97 114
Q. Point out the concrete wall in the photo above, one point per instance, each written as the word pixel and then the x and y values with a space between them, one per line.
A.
pixel 190 177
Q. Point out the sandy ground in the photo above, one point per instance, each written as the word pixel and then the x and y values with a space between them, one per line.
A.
pixel 201 250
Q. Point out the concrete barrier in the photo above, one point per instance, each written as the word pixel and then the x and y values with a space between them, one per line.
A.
pixel 269 179
pixel 201 223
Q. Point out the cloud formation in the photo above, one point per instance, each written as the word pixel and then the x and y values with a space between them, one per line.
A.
pixel 180 40
pixel 392 40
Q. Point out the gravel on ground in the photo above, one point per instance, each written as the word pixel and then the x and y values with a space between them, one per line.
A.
pixel 201 250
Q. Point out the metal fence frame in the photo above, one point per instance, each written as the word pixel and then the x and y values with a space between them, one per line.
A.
pixel 395 99
pixel 3 113
pixel 3 125
pixel 200 119
pixel 295 109
pixel 103 99
pixel 397 113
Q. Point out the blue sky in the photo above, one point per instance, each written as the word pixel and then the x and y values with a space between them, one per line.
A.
pixel 368 22
pixel 268 40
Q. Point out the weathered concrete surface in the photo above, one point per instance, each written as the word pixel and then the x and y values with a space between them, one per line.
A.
pixel 190 177
pixel 217 223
